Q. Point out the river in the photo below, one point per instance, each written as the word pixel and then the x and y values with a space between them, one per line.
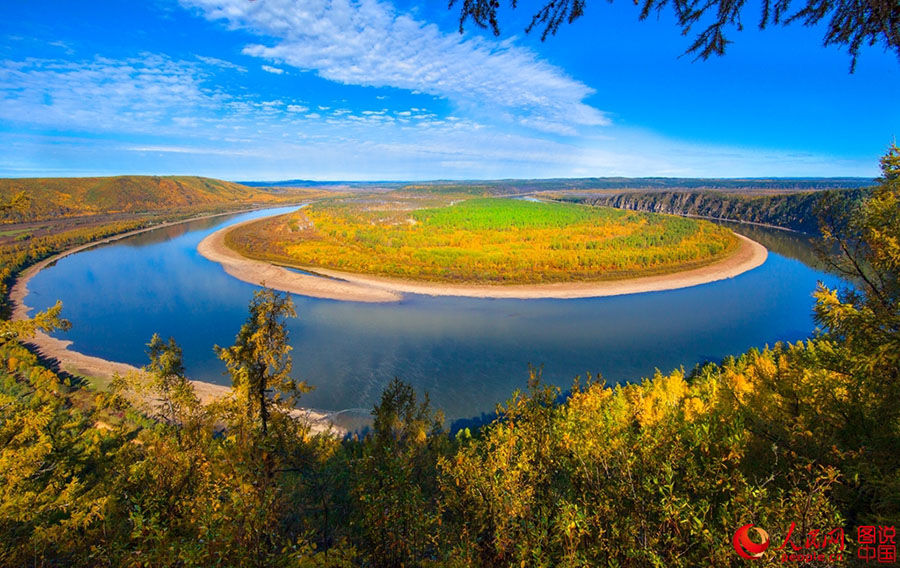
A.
pixel 467 353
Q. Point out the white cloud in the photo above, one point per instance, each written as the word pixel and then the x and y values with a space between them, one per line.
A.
pixel 270 69
pixel 221 63
pixel 63 46
pixel 150 94
pixel 174 118
pixel 189 150
pixel 366 42
pixel 103 94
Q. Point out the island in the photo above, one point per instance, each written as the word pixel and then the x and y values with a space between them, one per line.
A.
pixel 375 248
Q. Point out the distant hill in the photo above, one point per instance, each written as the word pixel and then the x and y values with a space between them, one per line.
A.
pixel 65 197
pixel 68 197
pixel 514 186
pixel 294 183
pixel 327 185
pixel 744 185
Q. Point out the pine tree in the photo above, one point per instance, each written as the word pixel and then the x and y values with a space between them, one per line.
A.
pixel 259 361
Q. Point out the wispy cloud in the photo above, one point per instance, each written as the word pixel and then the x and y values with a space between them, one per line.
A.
pixel 270 69
pixel 367 42
pixel 221 63
pixel 63 46
pixel 155 100
pixel 157 114
pixel 102 94
pixel 191 150
pixel 150 94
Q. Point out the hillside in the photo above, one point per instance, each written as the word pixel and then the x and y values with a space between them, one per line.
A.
pixel 66 197
pixel 795 211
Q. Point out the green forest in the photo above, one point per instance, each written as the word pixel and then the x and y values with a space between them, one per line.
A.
pixel 660 472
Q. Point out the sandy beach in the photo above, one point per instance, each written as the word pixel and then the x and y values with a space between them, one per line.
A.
pixel 336 285
pixel 86 365
pixel 262 273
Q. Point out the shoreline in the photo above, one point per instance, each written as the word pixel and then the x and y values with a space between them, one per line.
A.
pixel 346 286
pixel 261 273
pixel 81 364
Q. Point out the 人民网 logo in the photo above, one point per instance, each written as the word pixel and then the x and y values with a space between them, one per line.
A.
pixel 745 547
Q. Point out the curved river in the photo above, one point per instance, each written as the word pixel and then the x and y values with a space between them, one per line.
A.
pixel 468 354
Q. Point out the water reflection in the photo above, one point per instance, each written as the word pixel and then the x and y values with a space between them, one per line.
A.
pixel 787 243
pixel 468 353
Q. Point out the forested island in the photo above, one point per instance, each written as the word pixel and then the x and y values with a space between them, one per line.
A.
pixel 375 247
pixel 661 471
pixel 484 240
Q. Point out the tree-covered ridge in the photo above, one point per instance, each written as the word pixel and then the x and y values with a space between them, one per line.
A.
pixel 794 210
pixel 18 255
pixel 746 186
pixel 484 188
pixel 39 219
pixel 62 197
pixel 488 240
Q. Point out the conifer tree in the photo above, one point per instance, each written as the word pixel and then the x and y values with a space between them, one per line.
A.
pixel 849 23
pixel 259 361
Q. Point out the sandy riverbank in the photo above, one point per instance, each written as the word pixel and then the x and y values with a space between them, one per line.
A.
pixel 262 273
pixel 336 285
pixel 86 365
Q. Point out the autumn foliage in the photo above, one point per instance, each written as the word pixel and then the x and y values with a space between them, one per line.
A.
pixel 488 240
pixel 659 472
pixel 62 197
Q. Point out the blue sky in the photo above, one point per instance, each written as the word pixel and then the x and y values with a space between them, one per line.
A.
pixel 375 90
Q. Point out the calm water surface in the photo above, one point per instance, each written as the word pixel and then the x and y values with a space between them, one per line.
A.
pixel 468 354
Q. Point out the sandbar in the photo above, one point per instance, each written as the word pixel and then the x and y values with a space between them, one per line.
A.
pixel 277 277
pixel 87 365
pixel 338 285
